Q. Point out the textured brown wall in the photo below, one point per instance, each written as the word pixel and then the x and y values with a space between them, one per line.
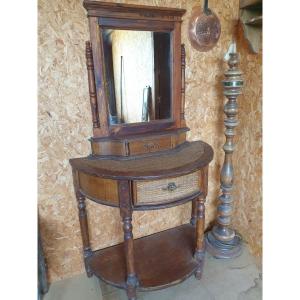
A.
pixel 65 125
pixel 248 156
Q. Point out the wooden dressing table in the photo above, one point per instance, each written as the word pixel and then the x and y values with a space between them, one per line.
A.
pixel 140 165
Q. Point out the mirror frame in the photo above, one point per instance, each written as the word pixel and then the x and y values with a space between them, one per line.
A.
pixel 104 15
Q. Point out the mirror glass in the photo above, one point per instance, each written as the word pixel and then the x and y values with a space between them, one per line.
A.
pixel 138 75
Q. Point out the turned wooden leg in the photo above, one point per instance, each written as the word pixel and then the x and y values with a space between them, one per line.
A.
pixel 194 212
pixel 87 251
pixel 200 222
pixel 126 214
pixel 200 243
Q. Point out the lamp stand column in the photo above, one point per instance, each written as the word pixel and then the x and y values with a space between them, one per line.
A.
pixel 222 241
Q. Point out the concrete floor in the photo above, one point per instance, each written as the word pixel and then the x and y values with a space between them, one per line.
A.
pixel 235 279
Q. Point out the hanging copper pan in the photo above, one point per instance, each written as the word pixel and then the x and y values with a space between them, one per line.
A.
pixel 204 28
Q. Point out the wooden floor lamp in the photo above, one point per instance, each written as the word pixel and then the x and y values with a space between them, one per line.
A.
pixel 222 241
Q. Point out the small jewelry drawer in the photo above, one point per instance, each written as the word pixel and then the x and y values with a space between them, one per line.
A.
pixel 149 145
pixel 138 146
pixel 165 190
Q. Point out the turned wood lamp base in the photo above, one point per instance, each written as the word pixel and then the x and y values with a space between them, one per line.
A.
pixel 222 241
pixel 219 249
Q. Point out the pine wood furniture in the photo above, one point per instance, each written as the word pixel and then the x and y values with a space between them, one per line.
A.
pixel 141 166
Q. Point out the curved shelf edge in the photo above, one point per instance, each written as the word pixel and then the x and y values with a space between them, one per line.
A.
pixel 162 259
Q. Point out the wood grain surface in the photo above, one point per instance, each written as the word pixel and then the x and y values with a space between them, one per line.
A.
pixel 64 124
pixel 184 160
pixel 169 254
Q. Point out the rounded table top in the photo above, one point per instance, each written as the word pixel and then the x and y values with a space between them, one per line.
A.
pixel 185 159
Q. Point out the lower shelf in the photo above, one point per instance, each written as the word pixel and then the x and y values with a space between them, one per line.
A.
pixel 161 260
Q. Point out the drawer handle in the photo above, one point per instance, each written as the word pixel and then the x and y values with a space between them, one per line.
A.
pixel 151 146
pixel 171 187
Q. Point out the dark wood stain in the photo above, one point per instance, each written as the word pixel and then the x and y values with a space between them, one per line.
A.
pixel 125 154
pixel 161 259
pixel 183 160
pixel 135 17
pixel 138 144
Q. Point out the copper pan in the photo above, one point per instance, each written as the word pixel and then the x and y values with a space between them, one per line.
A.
pixel 204 28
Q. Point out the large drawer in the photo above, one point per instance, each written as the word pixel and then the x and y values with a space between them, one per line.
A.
pixel 165 190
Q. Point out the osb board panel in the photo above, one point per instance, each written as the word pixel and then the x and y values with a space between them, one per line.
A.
pixel 65 125
pixel 248 156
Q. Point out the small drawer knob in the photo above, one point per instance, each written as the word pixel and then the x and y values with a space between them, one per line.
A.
pixel 171 187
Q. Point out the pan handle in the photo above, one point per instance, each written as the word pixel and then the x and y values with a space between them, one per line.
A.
pixel 207 11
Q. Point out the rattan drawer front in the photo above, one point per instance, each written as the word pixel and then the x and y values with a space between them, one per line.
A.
pixel 165 190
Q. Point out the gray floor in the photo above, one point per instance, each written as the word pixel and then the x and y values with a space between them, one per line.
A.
pixel 236 279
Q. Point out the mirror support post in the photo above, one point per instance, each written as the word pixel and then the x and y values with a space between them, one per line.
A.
pixel 92 87
pixel 182 116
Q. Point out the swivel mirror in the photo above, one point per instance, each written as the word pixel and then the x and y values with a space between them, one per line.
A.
pixel 135 70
